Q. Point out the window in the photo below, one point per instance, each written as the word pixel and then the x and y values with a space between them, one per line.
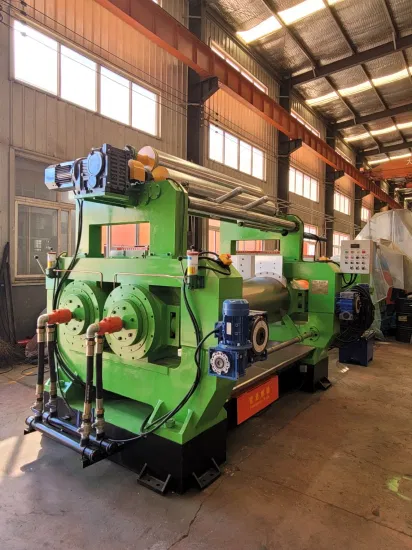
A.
pixel 214 236
pixel 365 214
pixel 44 63
pixel 305 124
pixel 337 239
pixel 35 58
pixel 144 109
pixel 235 153
pixel 78 79
pixel 221 53
pixel 309 247
pixel 114 96
pixel 303 185
pixel 249 246
pixel 341 203
pixel 44 219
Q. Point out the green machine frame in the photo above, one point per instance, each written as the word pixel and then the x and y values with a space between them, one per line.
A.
pixel 149 365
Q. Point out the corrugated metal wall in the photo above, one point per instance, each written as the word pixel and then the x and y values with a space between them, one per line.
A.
pixel 344 223
pixel 304 160
pixel 222 109
pixel 43 127
pixel 53 127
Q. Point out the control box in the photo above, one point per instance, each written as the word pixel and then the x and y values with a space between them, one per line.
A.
pixel 357 256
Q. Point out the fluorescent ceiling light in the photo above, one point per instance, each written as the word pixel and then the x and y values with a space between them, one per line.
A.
pixel 345 92
pixel 359 136
pixel 301 10
pixel 390 78
pixel 403 125
pixel 404 156
pixel 323 99
pixel 266 27
pixel 371 162
pixel 383 131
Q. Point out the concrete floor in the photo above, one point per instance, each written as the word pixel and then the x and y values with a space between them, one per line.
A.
pixel 326 471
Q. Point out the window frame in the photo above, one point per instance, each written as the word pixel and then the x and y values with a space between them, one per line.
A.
pixel 39 203
pixel 309 228
pixel 99 64
pixel 313 180
pixel 368 216
pixel 338 197
pixel 15 200
pixel 240 140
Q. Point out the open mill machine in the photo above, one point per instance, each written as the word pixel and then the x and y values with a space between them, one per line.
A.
pixel 150 349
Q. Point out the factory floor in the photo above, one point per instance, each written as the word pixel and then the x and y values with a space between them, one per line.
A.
pixel 326 471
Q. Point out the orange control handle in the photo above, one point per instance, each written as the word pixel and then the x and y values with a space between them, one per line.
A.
pixel 59 316
pixel 109 325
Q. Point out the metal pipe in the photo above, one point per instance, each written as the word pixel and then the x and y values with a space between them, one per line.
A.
pixel 99 424
pixel 52 404
pixel 231 213
pixel 86 425
pixel 229 195
pixel 159 158
pixel 92 455
pixel 81 271
pixel 39 403
pixel 109 447
pixel 297 340
pixel 211 190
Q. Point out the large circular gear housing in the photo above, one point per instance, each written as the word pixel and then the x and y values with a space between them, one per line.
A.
pixel 141 313
pixel 85 301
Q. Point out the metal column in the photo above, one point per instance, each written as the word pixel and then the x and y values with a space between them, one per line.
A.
pixel 199 90
pixel 283 160
pixel 329 194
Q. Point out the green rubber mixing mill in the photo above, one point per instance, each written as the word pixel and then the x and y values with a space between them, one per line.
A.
pixel 152 348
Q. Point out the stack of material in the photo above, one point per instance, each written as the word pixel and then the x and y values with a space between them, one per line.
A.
pixel 8 351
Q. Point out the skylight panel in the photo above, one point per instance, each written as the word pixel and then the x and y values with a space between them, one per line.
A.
pixel 266 27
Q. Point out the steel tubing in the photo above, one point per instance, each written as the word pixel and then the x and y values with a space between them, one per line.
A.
pixel 92 455
pixel 108 447
pixel 232 213
pixel 175 163
pixel 211 190
pixel 288 343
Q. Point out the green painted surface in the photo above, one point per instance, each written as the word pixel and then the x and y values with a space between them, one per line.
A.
pixel 149 366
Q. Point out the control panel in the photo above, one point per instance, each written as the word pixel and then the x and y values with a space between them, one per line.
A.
pixel 356 256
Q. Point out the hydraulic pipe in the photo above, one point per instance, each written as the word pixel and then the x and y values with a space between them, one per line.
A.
pixel 231 213
pixel 39 403
pixel 50 332
pixel 288 343
pixel 108 325
pixel 56 316
pixel 109 447
pixel 86 426
pixel 99 423
pixel 92 455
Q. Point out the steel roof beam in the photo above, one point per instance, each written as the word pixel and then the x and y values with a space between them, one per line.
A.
pixel 385 149
pixel 387 113
pixel 161 28
pixel 353 60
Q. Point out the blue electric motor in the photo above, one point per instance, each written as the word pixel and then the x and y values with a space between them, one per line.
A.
pixel 230 358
